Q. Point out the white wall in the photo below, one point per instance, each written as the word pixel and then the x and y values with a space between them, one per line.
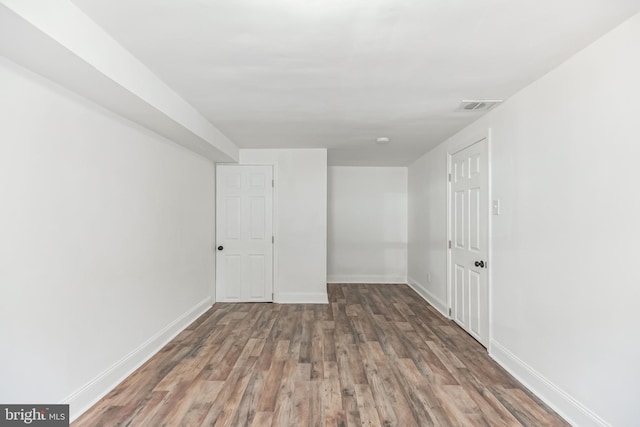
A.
pixel 367 223
pixel 427 227
pixel 106 246
pixel 300 256
pixel 565 291
pixel 58 40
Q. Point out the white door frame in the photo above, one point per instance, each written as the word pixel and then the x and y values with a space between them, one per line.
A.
pixel 469 141
pixel 274 229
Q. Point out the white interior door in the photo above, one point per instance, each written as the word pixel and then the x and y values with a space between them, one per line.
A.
pixel 469 238
pixel 244 224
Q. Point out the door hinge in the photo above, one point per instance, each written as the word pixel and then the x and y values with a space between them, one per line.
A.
pixel 273 183
pixel 273 240
pixel 449 177
pixel 449 244
pixel 449 311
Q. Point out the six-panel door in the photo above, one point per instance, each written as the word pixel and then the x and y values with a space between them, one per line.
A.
pixel 244 248
pixel 469 238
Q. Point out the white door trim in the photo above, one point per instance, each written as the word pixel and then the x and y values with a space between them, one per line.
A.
pixel 486 134
pixel 276 232
pixel 212 287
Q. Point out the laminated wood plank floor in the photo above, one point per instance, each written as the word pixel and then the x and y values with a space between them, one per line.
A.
pixel 377 355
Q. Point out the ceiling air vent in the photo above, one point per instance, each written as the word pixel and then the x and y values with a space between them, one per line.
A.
pixel 478 105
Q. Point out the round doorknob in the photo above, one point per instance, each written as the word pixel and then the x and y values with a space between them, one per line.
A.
pixel 479 264
pixel 220 248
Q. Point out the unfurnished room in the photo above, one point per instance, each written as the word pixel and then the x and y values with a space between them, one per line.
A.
pixel 319 213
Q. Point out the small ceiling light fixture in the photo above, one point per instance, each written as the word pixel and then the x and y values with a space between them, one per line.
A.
pixel 382 140
pixel 478 105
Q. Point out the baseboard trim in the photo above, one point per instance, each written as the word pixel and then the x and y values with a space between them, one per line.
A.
pixel 372 278
pixel 89 394
pixel 301 298
pixel 434 301
pixel 559 400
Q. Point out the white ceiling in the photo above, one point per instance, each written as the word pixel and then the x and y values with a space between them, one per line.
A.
pixel 340 73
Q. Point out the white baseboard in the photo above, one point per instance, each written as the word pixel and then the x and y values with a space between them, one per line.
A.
pixel 370 278
pixel 563 403
pixel 89 394
pixel 301 298
pixel 436 302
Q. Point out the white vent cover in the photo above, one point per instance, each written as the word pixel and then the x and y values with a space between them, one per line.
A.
pixel 478 105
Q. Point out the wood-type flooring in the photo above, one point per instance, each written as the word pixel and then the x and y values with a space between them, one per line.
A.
pixel 377 355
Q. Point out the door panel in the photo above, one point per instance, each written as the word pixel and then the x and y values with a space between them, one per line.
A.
pixel 469 227
pixel 459 295
pixel 233 218
pixel 257 218
pixel 244 224
pixel 459 216
pixel 258 272
pixel 474 299
pixel 474 220
pixel 474 165
pixel 231 267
